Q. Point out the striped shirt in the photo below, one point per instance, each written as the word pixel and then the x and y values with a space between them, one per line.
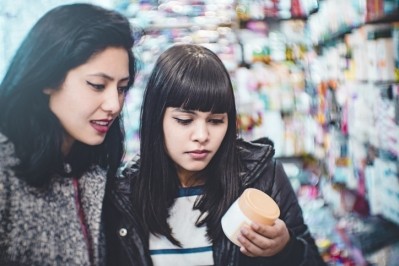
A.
pixel 196 248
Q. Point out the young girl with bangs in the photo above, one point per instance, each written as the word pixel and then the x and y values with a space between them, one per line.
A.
pixel 166 207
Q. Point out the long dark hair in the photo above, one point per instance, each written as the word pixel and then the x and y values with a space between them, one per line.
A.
pixel 64 38
pixel 191 77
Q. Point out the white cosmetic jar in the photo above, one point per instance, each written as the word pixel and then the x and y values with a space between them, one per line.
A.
pixel 252 206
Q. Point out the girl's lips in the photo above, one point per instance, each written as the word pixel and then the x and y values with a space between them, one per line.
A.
pixel 101 126
pixel 198 155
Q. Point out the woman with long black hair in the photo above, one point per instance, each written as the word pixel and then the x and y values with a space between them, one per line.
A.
pixel 61 135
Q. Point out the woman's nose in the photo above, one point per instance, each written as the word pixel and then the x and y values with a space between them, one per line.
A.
pixel 112 101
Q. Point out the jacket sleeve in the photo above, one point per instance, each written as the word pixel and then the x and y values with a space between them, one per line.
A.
pixel 301 249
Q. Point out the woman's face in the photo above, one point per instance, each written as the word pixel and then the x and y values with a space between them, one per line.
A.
pixel 192 138
pixel 91 97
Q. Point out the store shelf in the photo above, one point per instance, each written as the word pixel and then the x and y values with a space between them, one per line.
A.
pixel 392 16
pixel 370 234
pixel 333 37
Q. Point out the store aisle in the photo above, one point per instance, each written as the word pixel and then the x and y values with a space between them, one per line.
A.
pixel 319 78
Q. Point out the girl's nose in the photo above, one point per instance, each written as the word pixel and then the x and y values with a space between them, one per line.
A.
pixel 201 132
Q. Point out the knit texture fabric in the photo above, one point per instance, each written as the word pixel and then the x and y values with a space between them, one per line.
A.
pixel 40 226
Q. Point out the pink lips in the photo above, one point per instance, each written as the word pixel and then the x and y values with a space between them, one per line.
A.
pixel 101 126
pixel 198 154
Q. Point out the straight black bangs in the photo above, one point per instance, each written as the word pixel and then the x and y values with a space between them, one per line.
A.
pixel 202 86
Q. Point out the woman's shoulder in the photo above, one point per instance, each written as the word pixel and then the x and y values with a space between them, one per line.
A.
pixel 257 163
pixel 7 153
pixel 255 153
pixel 258 147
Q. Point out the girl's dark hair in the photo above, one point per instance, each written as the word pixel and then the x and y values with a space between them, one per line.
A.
pixel 64 38
pixel 194 78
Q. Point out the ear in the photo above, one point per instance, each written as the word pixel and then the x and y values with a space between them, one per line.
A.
pixel 48 91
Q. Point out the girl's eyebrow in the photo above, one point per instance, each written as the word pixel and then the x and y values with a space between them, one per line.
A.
pixel 181 110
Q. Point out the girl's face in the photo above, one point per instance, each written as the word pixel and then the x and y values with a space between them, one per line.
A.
pixel 91 97
pixel 192 138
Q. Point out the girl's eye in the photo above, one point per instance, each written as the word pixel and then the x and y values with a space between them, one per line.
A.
pixel 183 121
pixel 96 86
pixel 216 121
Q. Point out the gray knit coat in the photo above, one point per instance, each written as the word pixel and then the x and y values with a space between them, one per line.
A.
pixel 41 226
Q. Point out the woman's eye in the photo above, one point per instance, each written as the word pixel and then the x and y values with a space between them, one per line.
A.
pixel 183 121
pixel 96 86
pixel 123 89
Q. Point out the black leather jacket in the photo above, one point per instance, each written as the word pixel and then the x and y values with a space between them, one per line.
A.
pixel 127 245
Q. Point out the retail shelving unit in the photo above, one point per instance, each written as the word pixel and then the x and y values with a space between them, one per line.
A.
pixel 358 105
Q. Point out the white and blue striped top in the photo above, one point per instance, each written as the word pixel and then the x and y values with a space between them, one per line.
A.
pixel 196 248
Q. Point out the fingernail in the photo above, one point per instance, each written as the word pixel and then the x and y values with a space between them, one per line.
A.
pixel 255 226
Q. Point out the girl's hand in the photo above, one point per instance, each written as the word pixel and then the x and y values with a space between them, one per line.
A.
pixel 263 240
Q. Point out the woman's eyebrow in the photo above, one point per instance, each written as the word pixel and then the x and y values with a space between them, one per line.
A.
pixel 107 76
